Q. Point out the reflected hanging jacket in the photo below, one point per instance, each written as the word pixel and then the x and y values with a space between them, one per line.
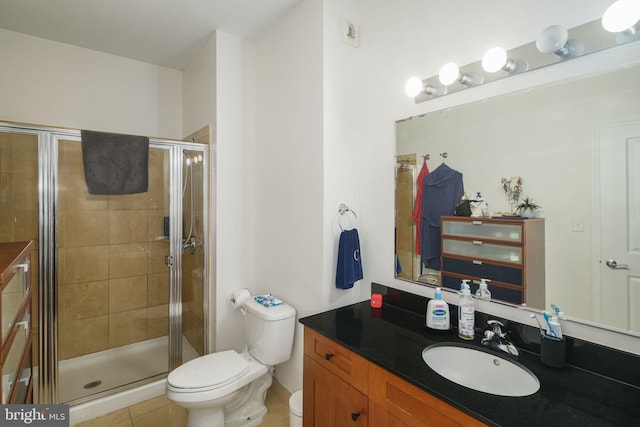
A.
pixel 417 206
pixel 443 189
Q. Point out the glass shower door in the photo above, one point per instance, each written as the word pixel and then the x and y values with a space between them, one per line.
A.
pixel 113 282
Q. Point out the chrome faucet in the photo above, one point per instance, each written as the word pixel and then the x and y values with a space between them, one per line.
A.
pixel 497 338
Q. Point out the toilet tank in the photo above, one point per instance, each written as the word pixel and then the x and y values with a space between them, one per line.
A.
pixel 269 331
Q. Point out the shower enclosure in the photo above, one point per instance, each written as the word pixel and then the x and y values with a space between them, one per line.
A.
pixel 121 279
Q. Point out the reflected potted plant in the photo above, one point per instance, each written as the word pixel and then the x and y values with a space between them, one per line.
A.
pixel 528 209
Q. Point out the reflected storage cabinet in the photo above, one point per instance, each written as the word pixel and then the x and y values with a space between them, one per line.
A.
pixel 340 388
pixel 507 251
pixel 15 322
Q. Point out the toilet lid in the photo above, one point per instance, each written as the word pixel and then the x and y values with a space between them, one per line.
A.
pixel 212 370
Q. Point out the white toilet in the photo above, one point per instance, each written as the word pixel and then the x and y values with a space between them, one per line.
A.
pixel 228 388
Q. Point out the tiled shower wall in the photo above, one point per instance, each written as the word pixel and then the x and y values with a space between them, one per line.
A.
pixel 113 281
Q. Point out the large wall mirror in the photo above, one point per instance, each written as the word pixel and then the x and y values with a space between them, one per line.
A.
pixel 576 145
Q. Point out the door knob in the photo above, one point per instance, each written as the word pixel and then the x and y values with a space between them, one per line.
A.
pixel 612 263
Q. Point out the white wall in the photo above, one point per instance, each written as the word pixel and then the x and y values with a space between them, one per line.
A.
pixel 289 168
pixel 361 98
pixel 50 83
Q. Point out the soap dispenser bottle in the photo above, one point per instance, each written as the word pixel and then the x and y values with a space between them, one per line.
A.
pixel 466 312
pixel 438 313
pixel 483 291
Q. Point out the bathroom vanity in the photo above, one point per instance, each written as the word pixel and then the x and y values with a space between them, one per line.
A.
pixel 16 342
pixel 364 366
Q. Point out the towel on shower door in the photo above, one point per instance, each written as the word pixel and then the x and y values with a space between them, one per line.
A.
pixel 349 268
pixel 115 163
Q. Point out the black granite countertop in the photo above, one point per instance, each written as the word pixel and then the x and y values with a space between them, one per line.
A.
pixel 394 339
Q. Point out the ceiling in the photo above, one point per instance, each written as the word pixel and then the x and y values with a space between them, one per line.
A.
pixel 162 32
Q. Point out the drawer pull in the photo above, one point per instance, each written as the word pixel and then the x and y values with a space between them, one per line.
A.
pixel 476 262
pixel 328 356
pixel 355 416
pixel 477 242
pixel 476 222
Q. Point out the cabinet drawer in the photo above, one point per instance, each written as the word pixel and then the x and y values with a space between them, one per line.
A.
pixel 513 296
pixel 480 250
pixel 337 359
pixel 12 296
pixel 483 230
pixel 483 270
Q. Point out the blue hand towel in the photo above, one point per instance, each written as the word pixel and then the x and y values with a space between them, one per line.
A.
pixel 349 268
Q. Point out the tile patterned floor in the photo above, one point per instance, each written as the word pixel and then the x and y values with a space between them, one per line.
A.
pixel 160 412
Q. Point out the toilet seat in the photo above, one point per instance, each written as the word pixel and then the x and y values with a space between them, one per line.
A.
pixel 208 372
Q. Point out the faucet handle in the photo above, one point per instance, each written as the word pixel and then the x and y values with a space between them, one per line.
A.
pixel 497 326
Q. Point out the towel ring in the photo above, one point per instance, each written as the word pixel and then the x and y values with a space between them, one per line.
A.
pixel 343 210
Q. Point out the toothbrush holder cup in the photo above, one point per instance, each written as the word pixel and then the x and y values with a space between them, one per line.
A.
pixel 553 351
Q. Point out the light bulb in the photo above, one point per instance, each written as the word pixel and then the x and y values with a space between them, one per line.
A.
pixel 449 73
pixel 621 16
pixel 413 87
pixel 494 59
pixel 552 39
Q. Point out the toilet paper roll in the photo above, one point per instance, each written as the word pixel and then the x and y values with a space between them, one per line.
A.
pixel 238 298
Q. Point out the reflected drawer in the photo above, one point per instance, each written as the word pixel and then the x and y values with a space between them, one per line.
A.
pixel 480 250
pixel 512 275
pixel 482 230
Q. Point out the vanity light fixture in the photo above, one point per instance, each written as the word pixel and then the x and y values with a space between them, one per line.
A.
pixel 415 86
pixel 450 73
pixel 555 39
pixel 496 59
pixel 622 17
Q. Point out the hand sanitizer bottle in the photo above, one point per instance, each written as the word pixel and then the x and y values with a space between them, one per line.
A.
pixel 466 312
pixel 438 313
pixel 483 291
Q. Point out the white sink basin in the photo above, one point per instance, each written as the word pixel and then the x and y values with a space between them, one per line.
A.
pixel 479 370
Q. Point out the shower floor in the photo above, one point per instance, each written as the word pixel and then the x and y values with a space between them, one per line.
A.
pixel 94 373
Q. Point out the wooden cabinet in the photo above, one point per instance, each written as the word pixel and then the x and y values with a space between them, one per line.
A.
pixel 335 384
pixel 15 323
pixel 343 389
pixel 509 252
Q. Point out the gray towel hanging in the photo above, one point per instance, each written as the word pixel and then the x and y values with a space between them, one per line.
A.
pixel 115 163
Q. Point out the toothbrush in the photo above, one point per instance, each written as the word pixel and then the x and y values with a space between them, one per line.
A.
pixel 533 316
pixel 548 320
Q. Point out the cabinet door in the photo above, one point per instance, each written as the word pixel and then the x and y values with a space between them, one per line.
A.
pixel 329 401
pixel 395 402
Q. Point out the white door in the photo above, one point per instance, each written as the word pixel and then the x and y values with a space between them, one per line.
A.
pixel 618 304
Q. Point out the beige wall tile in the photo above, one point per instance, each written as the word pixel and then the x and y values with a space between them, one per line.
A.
pixel 26 225
pixel 158 325
pixel 129 259
pixel 158 288
pixel 26 191
pixel 26 153
pixel 127 226
pixel 76 197
pixel 78 337
pixel 127 327
pixel 127 293
pixel 6 219
pixel 128 201
pixel 6 190
pixel 86 228
pixel 157 251
pixel 86 264
pixel 83 300
pixel 156 194
pixel 70 157
pixel 6 152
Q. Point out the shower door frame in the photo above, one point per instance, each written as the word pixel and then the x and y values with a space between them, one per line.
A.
pixel 48 138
